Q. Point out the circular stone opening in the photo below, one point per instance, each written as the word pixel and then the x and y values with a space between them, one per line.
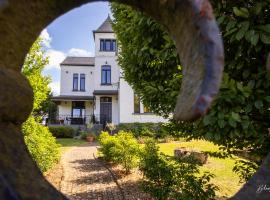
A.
pixel 22 21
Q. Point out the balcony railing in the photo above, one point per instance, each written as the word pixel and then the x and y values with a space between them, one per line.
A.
pixel 78 120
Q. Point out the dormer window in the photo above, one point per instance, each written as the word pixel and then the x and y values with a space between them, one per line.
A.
pixel 107 45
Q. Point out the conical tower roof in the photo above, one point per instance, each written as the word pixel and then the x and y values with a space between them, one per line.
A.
pixel 105 27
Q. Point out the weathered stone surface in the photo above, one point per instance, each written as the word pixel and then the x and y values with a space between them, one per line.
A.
pixel 16 96
pixel 258 187
pixel 183 153
pixel 191 25
pixel 19 176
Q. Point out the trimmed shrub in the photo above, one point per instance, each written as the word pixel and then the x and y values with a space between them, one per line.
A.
pixel 62 131
pixel 168 178
pixel 122 149
pixel 106 142
pixel 41 144
pixel 155 130
pixel 126 150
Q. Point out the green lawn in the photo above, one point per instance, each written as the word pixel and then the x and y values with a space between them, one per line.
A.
pixel 67 143
pixel 225 179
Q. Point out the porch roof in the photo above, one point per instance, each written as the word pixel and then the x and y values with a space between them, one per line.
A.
pixel 105 92
pixel 72 98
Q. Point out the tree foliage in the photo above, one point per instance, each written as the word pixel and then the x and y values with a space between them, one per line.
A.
pixel 39 140
pixel 41 144
pixel 34 64
pixel 146 47
pixel 239 118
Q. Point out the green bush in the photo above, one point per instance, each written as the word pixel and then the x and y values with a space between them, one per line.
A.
pixel 156 130
pixel 106 142
pixel 122 149
pixel 167 178
pixel 83 134
pixel 41 144
pixel 62 132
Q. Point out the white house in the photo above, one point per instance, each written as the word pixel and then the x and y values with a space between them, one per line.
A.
pixel 92 88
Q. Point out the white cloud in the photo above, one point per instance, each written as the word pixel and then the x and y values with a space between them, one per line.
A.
pixel 46 38
pixel 55 58
pixel 55 87
pixel 79 52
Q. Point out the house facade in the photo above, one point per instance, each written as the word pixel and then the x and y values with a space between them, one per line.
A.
pixel 93 90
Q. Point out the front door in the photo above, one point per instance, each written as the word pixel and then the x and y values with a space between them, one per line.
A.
pixel 105 110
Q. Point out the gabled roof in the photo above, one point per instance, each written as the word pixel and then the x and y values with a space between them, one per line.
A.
pixel 78 61
pixel 105 27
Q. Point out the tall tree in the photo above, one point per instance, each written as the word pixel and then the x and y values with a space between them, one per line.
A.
pixel 39 141
pixel 34 64
pixel 239 118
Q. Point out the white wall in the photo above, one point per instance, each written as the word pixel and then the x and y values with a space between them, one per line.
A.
pixel 65 108
pixel 99 36
pixel 105 58
pixel 122 105
pixel 126 102
pixel 66 85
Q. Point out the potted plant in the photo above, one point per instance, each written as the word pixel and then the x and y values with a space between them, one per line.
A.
pixel 111 127
pixel 90 137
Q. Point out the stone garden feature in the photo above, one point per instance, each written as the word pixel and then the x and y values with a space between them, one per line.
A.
pixel 190 23
pixel 184 153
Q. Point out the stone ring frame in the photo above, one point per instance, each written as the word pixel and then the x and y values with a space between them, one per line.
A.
pixel 190 23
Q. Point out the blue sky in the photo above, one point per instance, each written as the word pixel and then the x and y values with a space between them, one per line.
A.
pixel 71 35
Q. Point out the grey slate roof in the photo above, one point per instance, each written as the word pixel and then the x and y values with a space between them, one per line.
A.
pixel 72 98
pixel 105 27
pixel 79 61
pixel 105 92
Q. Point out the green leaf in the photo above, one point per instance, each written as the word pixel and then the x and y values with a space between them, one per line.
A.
pixel 265 28
pixel 267 98
pixel 255 39
pixel 258 104
pixel 240 34
pixel 236 116
pixel 258 8
pixel 220 115
pixel 209 135
pixel 230 25
pixel 245 125
pixel 265 38
pixel 239 86
pixel 207 120
pixel 221 123
pixel 232 123
pixel 242 12
pixel 217 136
pixel 251 84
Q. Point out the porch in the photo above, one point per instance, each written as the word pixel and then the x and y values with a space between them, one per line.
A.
pixel 69 120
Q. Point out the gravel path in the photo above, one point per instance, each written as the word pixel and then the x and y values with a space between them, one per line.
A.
pixel 85 177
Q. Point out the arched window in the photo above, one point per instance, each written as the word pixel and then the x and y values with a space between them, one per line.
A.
pixel 106 75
